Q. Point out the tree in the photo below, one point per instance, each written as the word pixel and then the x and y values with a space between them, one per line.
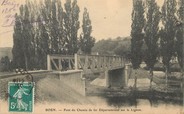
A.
pixel 27 35
pixel 86 40
pixel 5 64
pixel 34 12
pixel 42 44
pixel 71 25
pixel 46 15
pixel 119 46
pixel 17 51
pixel 123 48
pixel 44 29
pixel 62 41
pixel 168 33
pixel 54 29
pixel 151 35
pixel 179 33
pixel 22 36
pixel 137 33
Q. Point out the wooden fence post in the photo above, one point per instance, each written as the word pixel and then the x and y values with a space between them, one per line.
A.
pixel 76 61
pixel 126 74
pixel 48 62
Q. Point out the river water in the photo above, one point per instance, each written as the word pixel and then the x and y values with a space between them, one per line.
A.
pixel 139 104
pixel 143 104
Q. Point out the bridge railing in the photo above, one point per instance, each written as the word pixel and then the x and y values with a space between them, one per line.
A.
pixel 98 61
pixel 60 62
pixel 85 62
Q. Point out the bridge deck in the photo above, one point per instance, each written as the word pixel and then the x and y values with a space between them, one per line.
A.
pixel 87 63
pixel 12 74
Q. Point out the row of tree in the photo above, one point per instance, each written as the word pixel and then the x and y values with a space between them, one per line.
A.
pixel 116 46
pixel 160 30
pixel 46 28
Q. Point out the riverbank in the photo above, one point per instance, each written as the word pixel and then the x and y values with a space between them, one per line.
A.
pixel 50 89
pixel 96 87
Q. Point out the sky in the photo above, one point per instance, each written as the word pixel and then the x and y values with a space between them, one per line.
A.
pixel 110 18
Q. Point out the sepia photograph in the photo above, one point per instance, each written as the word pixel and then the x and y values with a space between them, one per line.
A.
pixel 92 56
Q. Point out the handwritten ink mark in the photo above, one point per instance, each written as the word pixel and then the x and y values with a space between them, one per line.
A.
pixel 9 3
pixel 9 8
pixel 6 32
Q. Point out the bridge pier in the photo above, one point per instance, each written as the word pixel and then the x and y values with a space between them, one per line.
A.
pixel 117 77
pixel 73 79
pixel 127 67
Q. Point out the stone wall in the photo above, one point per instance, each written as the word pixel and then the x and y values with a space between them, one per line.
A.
pixel 74 79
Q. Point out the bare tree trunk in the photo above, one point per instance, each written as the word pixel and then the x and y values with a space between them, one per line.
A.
pixel 151 77
pixel 135 83
pixel 166 77
pixel 26 65
pixel 182 76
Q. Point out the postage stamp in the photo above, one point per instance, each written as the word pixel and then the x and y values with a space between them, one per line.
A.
pixel 21 96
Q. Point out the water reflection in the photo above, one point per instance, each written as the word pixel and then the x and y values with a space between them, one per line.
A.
pixel 120 102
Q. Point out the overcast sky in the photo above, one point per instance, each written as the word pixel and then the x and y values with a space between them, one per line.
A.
pixel 110 18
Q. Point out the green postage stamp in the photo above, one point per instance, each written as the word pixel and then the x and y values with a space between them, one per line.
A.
pixel 21 96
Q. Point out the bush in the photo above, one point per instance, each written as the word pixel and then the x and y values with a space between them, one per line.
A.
pixel 5 64
pixel 160 67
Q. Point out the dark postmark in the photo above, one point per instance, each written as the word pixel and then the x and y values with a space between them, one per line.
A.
pixel 28 78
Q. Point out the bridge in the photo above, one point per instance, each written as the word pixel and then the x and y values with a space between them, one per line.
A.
pixel 87 63
pixel 72 70
pixel 68 67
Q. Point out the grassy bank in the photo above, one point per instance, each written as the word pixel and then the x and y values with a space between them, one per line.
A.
pixel 48 89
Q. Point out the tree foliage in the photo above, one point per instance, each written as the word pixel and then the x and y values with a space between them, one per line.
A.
pixel 168 32
pixel 86 40
pixel 117 46
pixel 5 64
pixel 71 25
pixel 17 51
pixel 137 35
pixel 151 33
pixel 27 35
pixel 179 33
pixel 44 28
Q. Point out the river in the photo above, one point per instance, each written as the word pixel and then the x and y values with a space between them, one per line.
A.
pixel 141 104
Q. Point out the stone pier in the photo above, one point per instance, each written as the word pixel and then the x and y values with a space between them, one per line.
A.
pixel 74 79
pixel 117 77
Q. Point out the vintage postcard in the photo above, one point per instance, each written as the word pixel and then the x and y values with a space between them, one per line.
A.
pixel 92 56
